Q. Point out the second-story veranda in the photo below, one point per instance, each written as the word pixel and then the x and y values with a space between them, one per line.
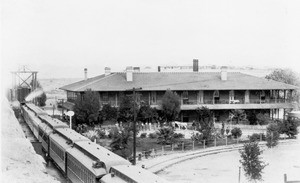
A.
pixel 215 90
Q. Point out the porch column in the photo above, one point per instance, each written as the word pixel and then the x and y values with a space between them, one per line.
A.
pixel 99 98
pixel 181 101
pixel 284 96
pixel 200 97
pixel 247 97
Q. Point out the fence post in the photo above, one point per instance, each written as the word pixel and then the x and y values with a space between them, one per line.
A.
pixel 203 144
pixel 172 147
pixel 182 146
pixel 226 140
pixel 193 145
pixel 215 141
pixel 260 137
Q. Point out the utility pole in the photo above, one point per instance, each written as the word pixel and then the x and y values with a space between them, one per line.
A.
pixel 134 127
pixel 134 124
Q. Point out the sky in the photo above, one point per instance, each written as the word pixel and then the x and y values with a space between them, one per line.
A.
pixel 59 38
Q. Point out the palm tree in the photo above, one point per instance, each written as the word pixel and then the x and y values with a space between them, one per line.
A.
pixel 121 142
pixel 165 135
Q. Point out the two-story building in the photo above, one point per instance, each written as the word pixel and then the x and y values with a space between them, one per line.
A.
pixel 221 91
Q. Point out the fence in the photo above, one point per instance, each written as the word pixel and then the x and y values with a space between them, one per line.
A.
pixel 190 145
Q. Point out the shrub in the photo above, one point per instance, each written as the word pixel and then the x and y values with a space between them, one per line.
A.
pixel 165 136
pixel 272 134
pixel 256 137
pixel 101 133
pixel 289 127
pixel 198 137
pixel 263 119
pixel 236 132
pixel 251 162
pixel 227 131
pixel 152 135
pixel 143 135
pixel 178 135
pixel 91 134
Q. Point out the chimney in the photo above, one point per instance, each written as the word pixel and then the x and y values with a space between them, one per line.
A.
pixel 195 65
pixel 158 68
pixel 107 71
pixel 129 74
pixel 85 73
pixel 136 69
pixel 223 73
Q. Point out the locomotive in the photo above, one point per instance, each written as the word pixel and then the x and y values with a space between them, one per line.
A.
pixel 76 156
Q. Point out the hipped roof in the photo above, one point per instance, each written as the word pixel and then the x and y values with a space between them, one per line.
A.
pixel 156 81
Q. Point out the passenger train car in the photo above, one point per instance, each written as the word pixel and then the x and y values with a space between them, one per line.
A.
pixel 132 174
pixel 78 158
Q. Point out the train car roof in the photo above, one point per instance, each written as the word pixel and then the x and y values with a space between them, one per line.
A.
pixel 71 135
pixel 86 161
pixel 52 122
pixel 101 153
pixel 47 129
pixel 129 173
pixel 37 110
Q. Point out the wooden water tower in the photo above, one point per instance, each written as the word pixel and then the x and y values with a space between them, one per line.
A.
pixel 24 81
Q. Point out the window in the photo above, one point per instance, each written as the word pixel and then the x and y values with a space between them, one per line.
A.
pixel 71 96
pixel 216 93
pixel 153 97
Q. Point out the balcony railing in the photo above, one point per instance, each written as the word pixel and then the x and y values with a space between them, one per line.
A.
pixel 236 101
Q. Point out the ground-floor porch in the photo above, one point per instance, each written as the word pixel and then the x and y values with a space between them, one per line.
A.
pixel 224 115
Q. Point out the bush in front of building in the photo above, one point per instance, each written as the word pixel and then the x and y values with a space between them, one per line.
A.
pixel 86 108
pixel 143 135
pixel 170 105
pixel 236 132
pixel 152 135
pixel 165 136
pixel 263 119
pixel 289 127
pixel 272 136
pixel 256 137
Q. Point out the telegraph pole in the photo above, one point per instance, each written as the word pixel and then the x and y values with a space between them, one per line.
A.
pixel 134 127
pixel 134 124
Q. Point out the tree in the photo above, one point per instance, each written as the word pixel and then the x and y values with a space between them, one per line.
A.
pixel 236 132
pixel 289 127
pixel 263 119
pixel 272 134
pixel 41 100
pixel 251 161
pixel 126 110
pixel 165 135
pixel 286 76
pixel 87 107
pixel 170 105
pixel 238 115
pixel 206 125
pixel 145 112
pixel 251 116
pixel 108 113
pixel 121 142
